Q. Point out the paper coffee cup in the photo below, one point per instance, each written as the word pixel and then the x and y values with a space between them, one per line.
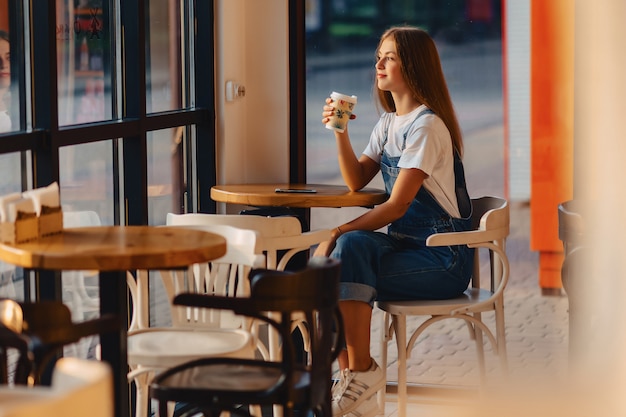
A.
pixel 344 105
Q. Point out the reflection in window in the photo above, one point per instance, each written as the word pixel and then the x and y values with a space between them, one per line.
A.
pixel 9 77
pixel 5 82
pixel 86 179
pixel 83 40
pixel 164 78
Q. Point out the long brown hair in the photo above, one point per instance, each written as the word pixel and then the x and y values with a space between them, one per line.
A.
pixel 421 70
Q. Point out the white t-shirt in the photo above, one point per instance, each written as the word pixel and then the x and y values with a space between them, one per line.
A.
pixel 428 147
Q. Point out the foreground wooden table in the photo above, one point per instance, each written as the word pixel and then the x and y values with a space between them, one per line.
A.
pixel 265 195
pixel 113 250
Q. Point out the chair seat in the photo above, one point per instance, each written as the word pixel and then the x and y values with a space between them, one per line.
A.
pixel 219 376
pixel 470 297
pixel 166 347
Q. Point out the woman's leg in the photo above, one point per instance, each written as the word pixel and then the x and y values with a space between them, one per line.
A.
pixel 361 378
pixel 357 317
pixel 359 253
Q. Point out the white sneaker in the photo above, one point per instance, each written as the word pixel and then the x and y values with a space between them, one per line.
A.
pixel 368 408
pixel 354 388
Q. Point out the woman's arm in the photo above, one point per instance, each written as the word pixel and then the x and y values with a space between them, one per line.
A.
pixel 404 191
pixel 356 172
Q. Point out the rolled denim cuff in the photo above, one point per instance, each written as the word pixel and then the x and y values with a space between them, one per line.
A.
pixel 352 291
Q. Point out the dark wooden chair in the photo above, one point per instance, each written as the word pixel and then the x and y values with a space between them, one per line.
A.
pixel 38 331
pixel 213 385
pixel 11 323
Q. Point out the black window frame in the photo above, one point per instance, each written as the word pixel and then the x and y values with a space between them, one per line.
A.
pixel 46 137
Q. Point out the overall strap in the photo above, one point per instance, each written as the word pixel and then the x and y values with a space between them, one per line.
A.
pixel 460 188
pixel 406 132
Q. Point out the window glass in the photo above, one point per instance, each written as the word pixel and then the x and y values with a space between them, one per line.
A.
pixel 12 174
pixel 83 43
pixel 12 171
pixel 86 179
pixel 164 78
pixel 165 173
pixel 5 82
pixel 341 44
pixel 11 62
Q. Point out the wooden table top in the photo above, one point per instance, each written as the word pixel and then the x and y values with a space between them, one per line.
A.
pixel 116 248
pixel 265 195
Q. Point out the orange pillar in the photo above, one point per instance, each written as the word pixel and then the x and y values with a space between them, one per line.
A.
pixel 552 112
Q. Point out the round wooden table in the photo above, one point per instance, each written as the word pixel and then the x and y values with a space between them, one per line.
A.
pixel 116 248
pixel 113 250
pixel 265 195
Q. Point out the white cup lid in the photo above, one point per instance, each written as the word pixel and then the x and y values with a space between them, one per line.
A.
pixel 339 96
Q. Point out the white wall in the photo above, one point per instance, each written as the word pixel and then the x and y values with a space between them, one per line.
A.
pixel 518 104
pixel 252 132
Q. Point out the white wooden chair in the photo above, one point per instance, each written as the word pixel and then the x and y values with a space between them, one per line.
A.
pixel 194 333
pixel 490 221
pixel 79 388
pixel 280 238
pixel 281 233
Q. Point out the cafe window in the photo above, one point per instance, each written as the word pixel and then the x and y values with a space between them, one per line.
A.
pixel 341 39
pixel 112 108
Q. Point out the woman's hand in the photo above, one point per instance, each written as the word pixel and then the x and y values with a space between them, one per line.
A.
pixel 328 110
pixel 324 248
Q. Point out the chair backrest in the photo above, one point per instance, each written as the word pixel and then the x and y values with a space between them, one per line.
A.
pixel 80 219
pixel 490 228
pixel 572 228
pixel 79 388
pixel 11 315
pixel 266 226
pixel 226 276
pixel 19 365
pixel 37 331
pixel 577 267
pixel 274 233
pixel 313 291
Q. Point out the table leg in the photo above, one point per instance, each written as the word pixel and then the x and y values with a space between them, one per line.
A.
pixel 114 300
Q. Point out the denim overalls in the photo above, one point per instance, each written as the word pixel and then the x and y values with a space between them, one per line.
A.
pixel 399 265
